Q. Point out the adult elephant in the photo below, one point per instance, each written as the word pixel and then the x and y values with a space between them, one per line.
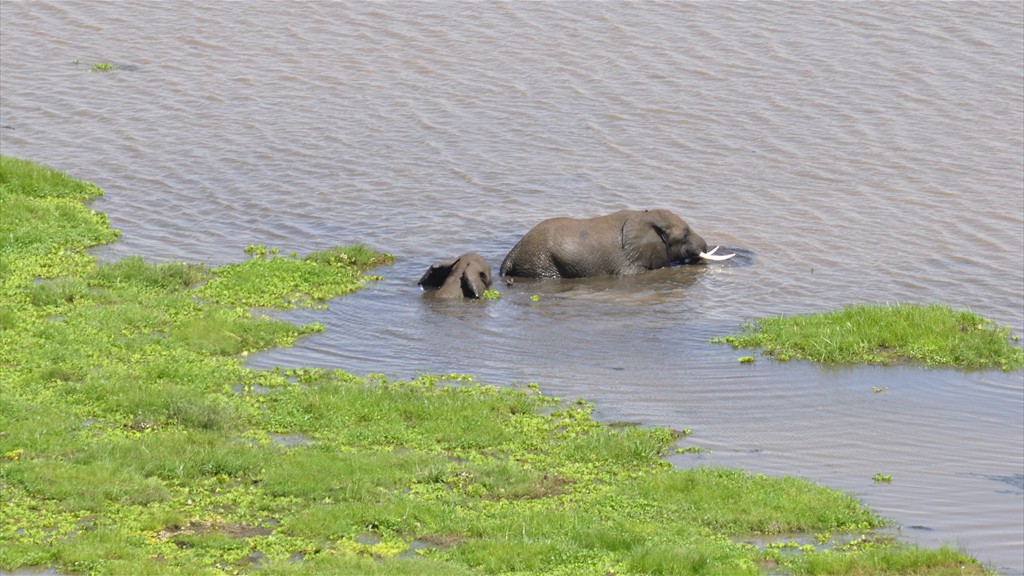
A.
pixel 626 242
pixel 467 276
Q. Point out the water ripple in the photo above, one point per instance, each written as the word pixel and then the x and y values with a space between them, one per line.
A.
pixel 851 152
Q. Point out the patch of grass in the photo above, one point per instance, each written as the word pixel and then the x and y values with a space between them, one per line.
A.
pixel 179 455
pixel 23 178
pixel 45 229
pixel 133 441
pixel 274 281
pixel 86 486
pixel 735 502
pixel 358 256
pixel 224 332
pixel 934 335
pixel 365 565
pixel 134 271
pixel 702 557
pixel 880 559
pixel 317 473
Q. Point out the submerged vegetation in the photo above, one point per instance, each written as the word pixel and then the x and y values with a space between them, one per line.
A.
pixel 133 440
pixel 934 335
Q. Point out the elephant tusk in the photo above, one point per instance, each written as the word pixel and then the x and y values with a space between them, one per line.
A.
pixel 712 256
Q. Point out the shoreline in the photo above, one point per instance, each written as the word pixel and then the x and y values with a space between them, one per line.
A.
pixel 135 440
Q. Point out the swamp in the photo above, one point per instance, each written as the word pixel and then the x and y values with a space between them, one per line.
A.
pixel 134 440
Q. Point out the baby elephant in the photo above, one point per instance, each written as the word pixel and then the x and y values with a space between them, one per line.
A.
pixel 466 276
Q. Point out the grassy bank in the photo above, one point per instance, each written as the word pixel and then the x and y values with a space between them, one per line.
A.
pixel 933 335
pixel 133 441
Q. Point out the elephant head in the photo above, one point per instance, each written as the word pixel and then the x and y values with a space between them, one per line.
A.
pixel 626 242
pixel 658 238
pixel 466 276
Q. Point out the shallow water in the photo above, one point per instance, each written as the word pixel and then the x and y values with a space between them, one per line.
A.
pixel 849 152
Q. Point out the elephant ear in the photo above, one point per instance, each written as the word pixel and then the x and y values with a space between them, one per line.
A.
pixel 436 275
pixel 476 277
pixel 645 240
pixel 472 285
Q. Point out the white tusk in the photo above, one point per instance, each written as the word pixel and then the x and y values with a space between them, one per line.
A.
pixel 718 258
pixel 711 255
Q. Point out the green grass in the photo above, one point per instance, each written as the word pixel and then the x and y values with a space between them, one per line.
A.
pixel 134 441
pixel 933 335
pixel 60 231
pixel 274 281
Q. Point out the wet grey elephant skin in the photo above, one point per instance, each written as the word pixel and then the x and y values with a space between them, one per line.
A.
pixel 620 244
pixel 464 277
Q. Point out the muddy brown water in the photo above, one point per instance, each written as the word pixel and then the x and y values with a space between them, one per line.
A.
pixel 849 152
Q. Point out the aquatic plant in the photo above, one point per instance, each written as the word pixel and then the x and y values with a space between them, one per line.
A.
pixel 934 335
pixel 135 441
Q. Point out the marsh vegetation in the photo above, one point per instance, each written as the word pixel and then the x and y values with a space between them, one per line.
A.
pixel 133 440
pixel 933 335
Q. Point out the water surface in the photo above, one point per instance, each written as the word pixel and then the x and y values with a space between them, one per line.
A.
pixel 850 152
